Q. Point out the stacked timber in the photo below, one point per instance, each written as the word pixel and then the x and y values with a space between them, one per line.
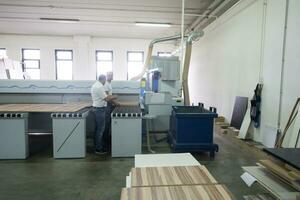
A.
pixel 175 182
pixel 286 173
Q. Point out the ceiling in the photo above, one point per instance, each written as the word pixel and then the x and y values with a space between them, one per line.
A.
pixel 105 18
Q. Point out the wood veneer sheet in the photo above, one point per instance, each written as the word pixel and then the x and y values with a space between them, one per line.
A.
pixel 68 107
pixel 168 176
pixel 192 192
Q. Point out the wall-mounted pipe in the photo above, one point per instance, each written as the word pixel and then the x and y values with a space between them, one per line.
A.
pixel 182 34
pixel 217 9
pixel 282 67
pixel 210 8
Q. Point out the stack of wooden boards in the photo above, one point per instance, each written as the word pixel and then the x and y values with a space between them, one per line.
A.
pixel 174 182
pixel 284 172
pixel 282 180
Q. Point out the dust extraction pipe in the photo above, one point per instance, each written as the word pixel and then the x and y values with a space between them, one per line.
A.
pixel 186 66
pixel 150 49
pixel 187 57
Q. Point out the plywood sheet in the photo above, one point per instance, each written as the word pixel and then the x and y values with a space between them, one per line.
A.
pixel 195 192
pixel 165 160
pixel 169 176
pixel 271 183
pixel 68 107
pixel 283 173
pixel 239 111
pixel 287 155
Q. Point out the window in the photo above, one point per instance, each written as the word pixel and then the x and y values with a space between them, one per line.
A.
pixel 31 63
pixel 135 63
pixel 104 62
pixel 64 64
pixel 164 54
pixel 3 53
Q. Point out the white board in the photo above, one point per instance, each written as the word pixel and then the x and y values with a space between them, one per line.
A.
pixel 3 74
pixel 269 136
pixel 165 160
pixel 245 125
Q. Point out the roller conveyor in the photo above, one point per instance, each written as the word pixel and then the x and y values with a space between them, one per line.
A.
pixel 127 111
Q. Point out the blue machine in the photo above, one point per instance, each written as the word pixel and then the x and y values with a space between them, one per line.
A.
pixel 191 129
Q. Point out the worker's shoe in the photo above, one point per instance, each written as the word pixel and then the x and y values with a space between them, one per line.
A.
pixel 100 152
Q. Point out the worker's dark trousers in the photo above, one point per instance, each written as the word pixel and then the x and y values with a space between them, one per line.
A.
pixel 99 114
pixel 107 131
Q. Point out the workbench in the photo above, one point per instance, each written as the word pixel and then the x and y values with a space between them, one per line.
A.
pixel 68 122
pixel 44 108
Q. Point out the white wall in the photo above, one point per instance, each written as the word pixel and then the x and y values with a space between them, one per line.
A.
pixel 84 47
pixel 238 49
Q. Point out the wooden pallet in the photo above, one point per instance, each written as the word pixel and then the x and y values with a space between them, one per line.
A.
pixel 68 107
pixel 170 176
pixel 192 192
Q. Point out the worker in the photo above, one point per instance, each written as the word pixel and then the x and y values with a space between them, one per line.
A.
pixel 107 86
pixel 110 107
pixel 100 99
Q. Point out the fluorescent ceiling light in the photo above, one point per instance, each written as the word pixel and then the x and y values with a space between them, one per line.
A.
pixel 156 24
pixel 62 20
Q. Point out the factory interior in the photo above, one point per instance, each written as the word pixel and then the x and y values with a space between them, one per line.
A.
pixel 149 99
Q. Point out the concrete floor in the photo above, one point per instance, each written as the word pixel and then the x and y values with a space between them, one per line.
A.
pixel 95 177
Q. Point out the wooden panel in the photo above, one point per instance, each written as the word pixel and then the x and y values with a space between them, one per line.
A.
pixel 259 197
pixel 207 192
pixel 287 155
pixel 69 107
pixel 168 176
pixel 271 182
pixel 239 111
pixel 291 177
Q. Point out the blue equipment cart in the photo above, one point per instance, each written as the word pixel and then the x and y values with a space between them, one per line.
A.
pixel 191 129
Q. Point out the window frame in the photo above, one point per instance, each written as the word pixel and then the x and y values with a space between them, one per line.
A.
pixel 104 51
pixel 23 60
pixel 3 48
pixel 56 59
pixel 164 52
pixel 128 52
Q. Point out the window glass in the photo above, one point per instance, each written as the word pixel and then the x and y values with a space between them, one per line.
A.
pixel 64 64
pixel 164 54
pixel 3 53
pixel 32 54
pixel 64 55
pixel 135 63
pixel 104 61
pixel 31 63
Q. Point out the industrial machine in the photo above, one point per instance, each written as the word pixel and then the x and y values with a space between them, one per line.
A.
pixel 68 129
pixel 165 82
pixel 163 90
